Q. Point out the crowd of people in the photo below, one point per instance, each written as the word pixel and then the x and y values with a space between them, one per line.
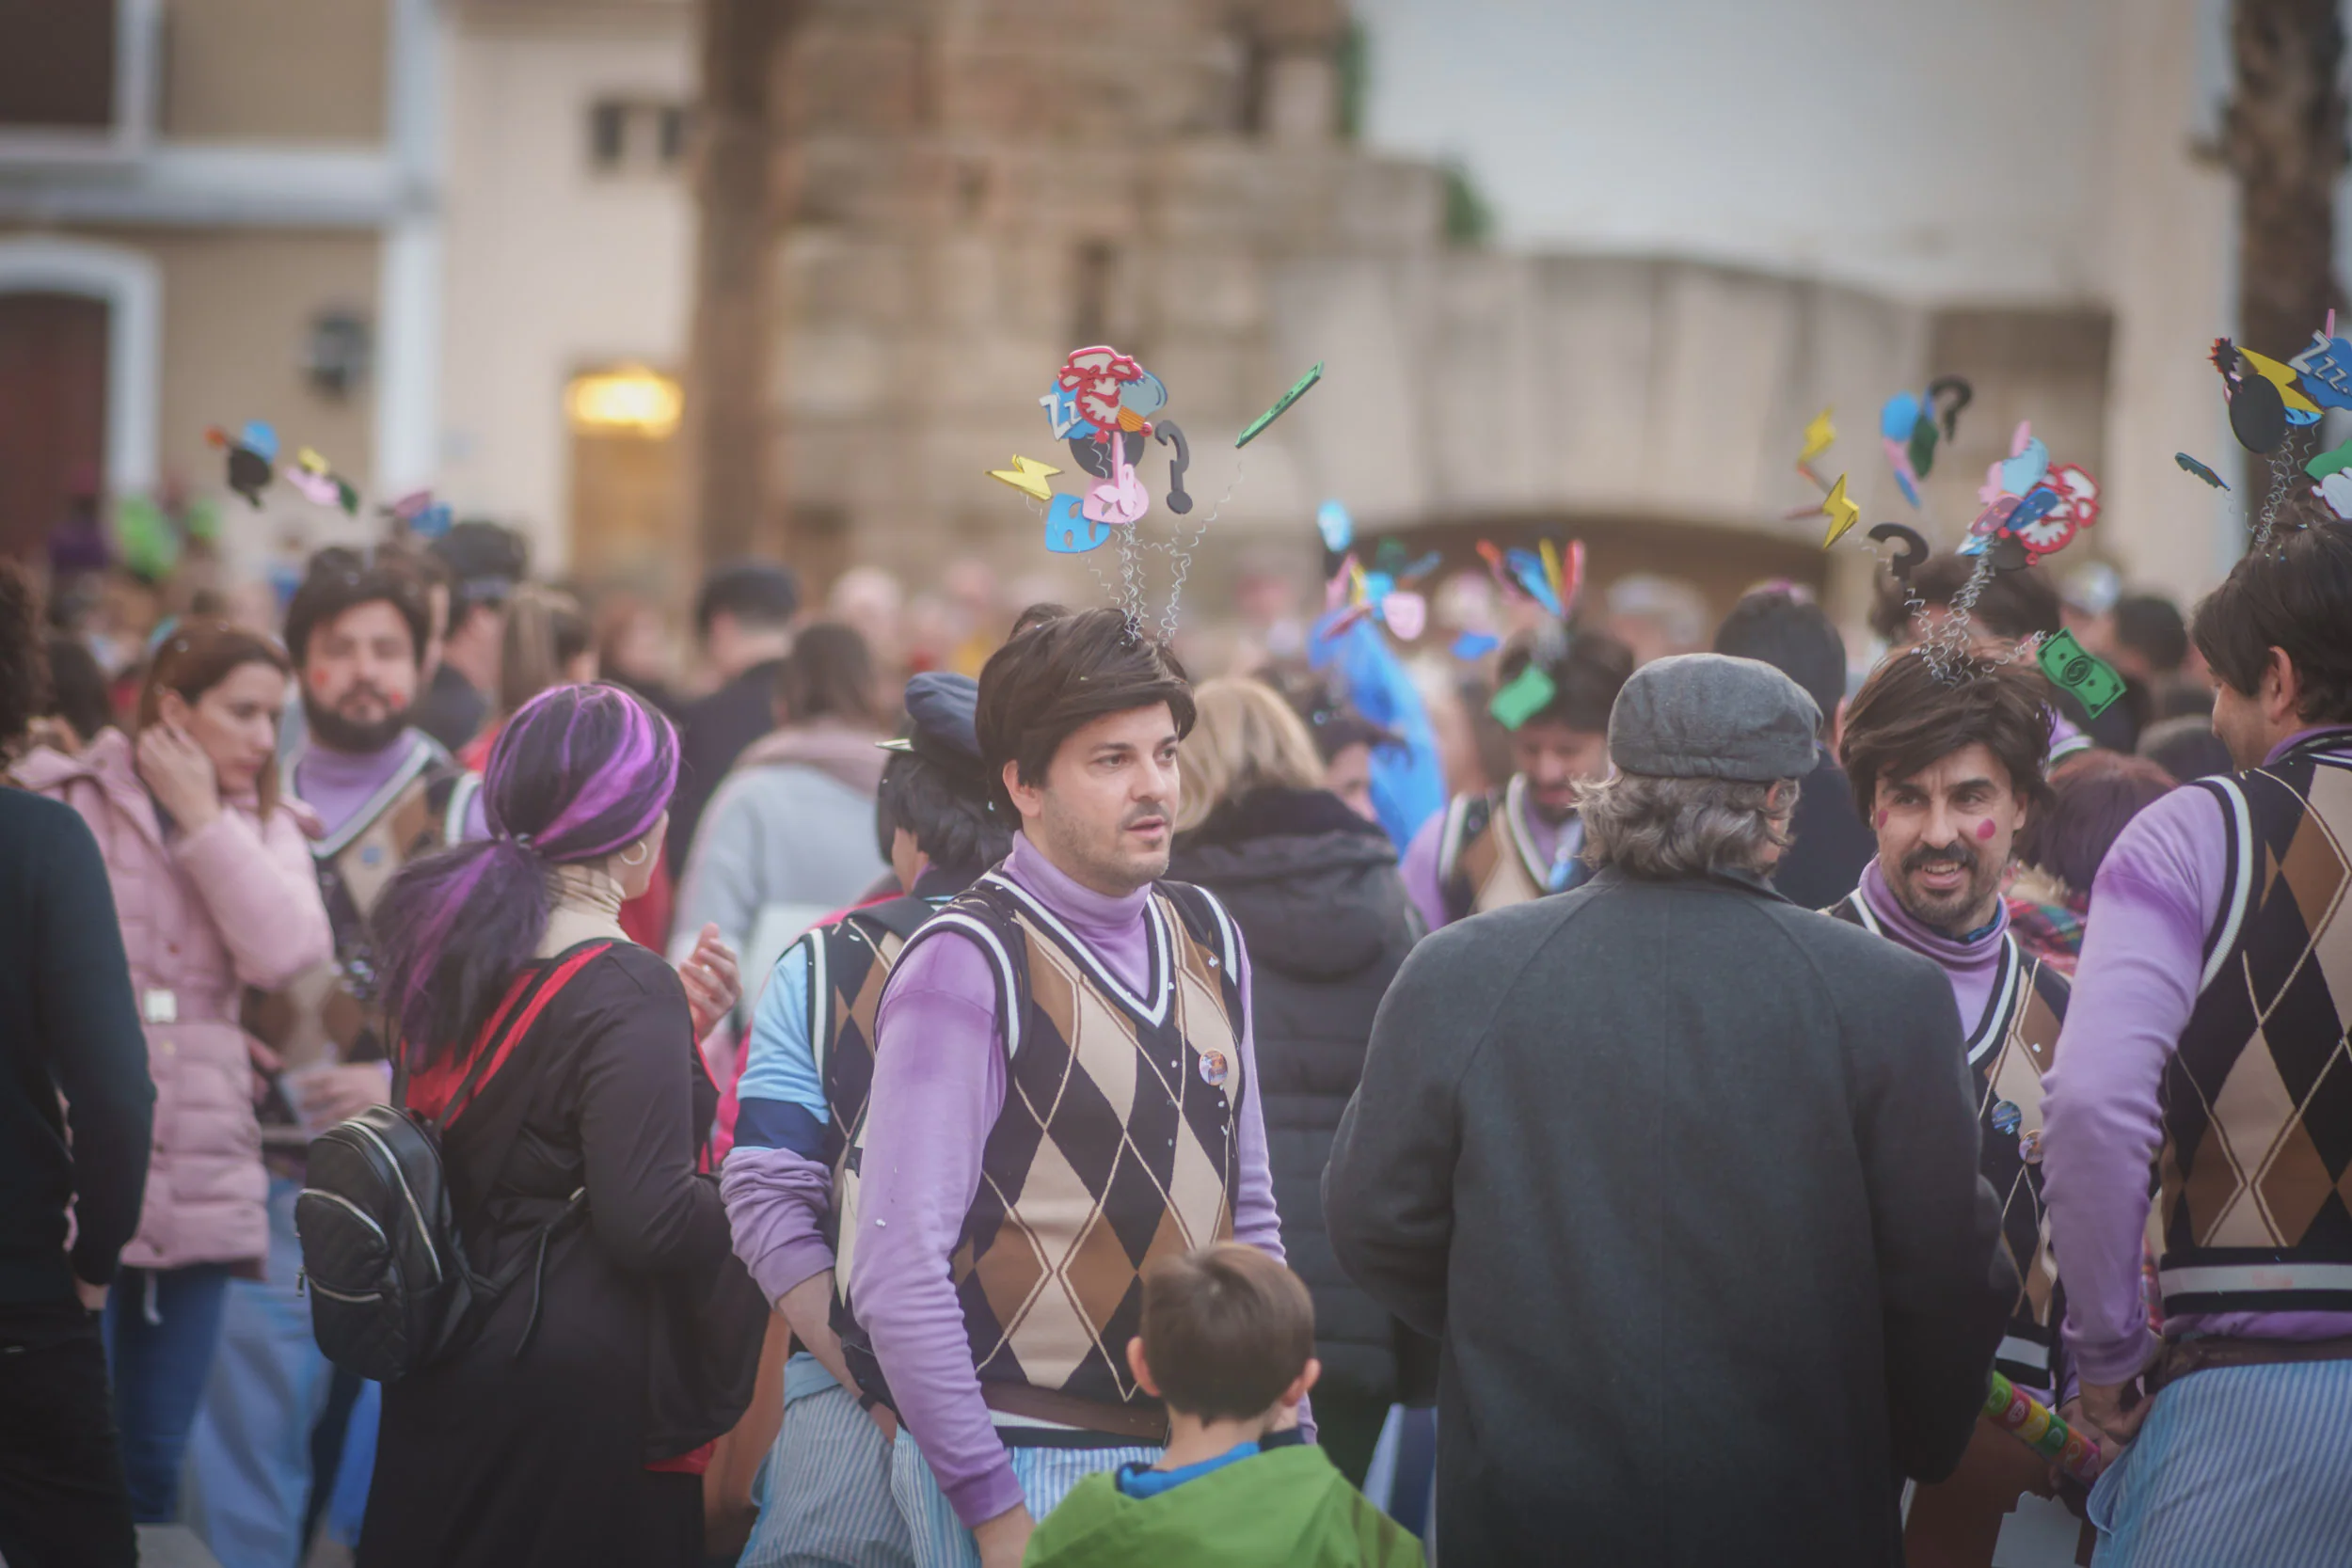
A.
pixel 903 1099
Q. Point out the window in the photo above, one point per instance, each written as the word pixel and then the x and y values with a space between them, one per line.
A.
pixel 632 136
pixel 76 78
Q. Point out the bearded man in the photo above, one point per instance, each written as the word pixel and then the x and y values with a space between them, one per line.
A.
pixel 1946 771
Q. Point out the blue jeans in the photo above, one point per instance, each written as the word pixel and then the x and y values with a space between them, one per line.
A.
pixel 252 1471
pixel 162 1328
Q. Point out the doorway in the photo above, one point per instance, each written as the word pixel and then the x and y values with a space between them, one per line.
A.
pixel 53 414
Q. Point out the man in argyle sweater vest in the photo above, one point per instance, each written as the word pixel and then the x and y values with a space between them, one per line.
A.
pixel 1946 772
pixel 2209 1045
pixel 1064 1089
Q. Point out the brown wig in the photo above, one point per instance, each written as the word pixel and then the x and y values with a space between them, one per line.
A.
pixel 341 578
pixel 1058 675
pixel 2298 597
pixel 197 657
pixel 2011 605
pixel 1904 719
pixel 1586 676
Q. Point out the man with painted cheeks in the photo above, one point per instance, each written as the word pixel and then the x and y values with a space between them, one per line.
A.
pixel 1064 1091
pixel 1946 767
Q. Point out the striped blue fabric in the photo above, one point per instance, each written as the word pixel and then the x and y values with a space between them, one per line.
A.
pixel 824 1491
pixel 2235 1466
pixel 1046 1477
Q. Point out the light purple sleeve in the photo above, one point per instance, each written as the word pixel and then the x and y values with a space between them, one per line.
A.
pixel 1256 1222
pixel 939 1083
pixel 776 1203
pixel 2143 952
pixel 1419 870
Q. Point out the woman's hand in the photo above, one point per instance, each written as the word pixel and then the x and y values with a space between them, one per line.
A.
pixel 180 776
pixel 713 983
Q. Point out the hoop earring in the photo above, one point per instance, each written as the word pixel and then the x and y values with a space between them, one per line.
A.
pixel 645 852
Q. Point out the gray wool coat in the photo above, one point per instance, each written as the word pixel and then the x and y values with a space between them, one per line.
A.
pixel 1684 1179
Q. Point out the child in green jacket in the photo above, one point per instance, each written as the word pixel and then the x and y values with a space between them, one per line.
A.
pixel 1228 1344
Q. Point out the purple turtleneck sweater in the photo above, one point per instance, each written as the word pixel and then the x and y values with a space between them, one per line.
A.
pixel 939 1085
pixel 2156 894
pixel 336 783
pixel 1971 965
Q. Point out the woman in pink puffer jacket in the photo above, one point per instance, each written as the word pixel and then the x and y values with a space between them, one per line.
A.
pixel 213 885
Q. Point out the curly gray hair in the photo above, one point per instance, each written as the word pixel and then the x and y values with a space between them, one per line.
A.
pixel 1662 828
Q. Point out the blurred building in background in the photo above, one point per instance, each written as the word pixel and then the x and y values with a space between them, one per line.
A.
pixel 569 265
pixel 212 211
pixel 959 193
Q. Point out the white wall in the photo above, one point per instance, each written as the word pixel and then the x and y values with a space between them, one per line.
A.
pixel 1924 147
pixel 552 268
pixel 1986 152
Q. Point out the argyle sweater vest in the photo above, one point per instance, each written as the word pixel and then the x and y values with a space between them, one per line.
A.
pixel 2255 1181
pixel 330 1013
pixel 1117 1143
pixel 2010 1047
pixel 850 963
pixel 1486 859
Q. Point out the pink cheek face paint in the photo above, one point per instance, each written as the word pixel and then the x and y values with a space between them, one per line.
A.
pixel 1984 829
pixel 1881 817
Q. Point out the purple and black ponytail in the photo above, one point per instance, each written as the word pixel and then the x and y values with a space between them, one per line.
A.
pixel 578 774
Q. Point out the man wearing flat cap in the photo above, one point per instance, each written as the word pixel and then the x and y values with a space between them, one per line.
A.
pixel 805 1076
pixel 1683 1176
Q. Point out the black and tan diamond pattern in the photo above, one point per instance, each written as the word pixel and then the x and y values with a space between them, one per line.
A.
pixel 2257 1163
pixel 1116 1147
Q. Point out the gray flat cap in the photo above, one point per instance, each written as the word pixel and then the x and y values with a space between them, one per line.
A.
pixel 1709 716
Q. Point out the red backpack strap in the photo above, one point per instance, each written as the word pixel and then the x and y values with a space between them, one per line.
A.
pixel 520 1009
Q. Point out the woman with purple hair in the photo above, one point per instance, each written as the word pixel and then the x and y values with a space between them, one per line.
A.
pixel 567 1425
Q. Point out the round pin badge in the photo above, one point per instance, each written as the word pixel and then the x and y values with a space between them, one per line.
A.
pixel 1215 1069
pixel 2006 1117
pixel 2030 1148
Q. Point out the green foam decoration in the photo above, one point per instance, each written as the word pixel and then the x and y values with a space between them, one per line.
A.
pixel 2330 461
pixel 2074 668
pixel 1525 697
pixel 1282 406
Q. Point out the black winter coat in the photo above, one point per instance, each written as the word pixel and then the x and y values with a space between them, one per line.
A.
pixel 1685 1179
pixel 1325 915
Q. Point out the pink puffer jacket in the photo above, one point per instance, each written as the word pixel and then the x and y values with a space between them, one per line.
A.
pixel 232 905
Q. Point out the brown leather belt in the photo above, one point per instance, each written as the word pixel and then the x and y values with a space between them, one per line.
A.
pixel 1145 1423
pixel 2183 1356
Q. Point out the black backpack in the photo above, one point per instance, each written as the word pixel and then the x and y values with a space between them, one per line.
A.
pixel 391 1290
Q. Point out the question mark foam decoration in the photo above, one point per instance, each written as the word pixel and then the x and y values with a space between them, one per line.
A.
pixel 1913 553
pixel 1178 501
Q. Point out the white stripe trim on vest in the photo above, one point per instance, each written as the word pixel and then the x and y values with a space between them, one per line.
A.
pixel 1450 838
pixel 2241 827
pixel 423 752
pixel 2023 1353
pixel 461 796
pixel 950 919
pixel 1227 935
pixel 2214 1278
pixel 820 1000
pixel 1515 828
pixel 1993 1027
pixel 1162 956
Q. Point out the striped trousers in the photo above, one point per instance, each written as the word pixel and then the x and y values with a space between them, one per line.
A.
pixel 2236 1468
pixel 1046 1477
pixel 824 1491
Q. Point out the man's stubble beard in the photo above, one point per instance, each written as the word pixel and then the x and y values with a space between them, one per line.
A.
pixel 350 736
pixel 1958 920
